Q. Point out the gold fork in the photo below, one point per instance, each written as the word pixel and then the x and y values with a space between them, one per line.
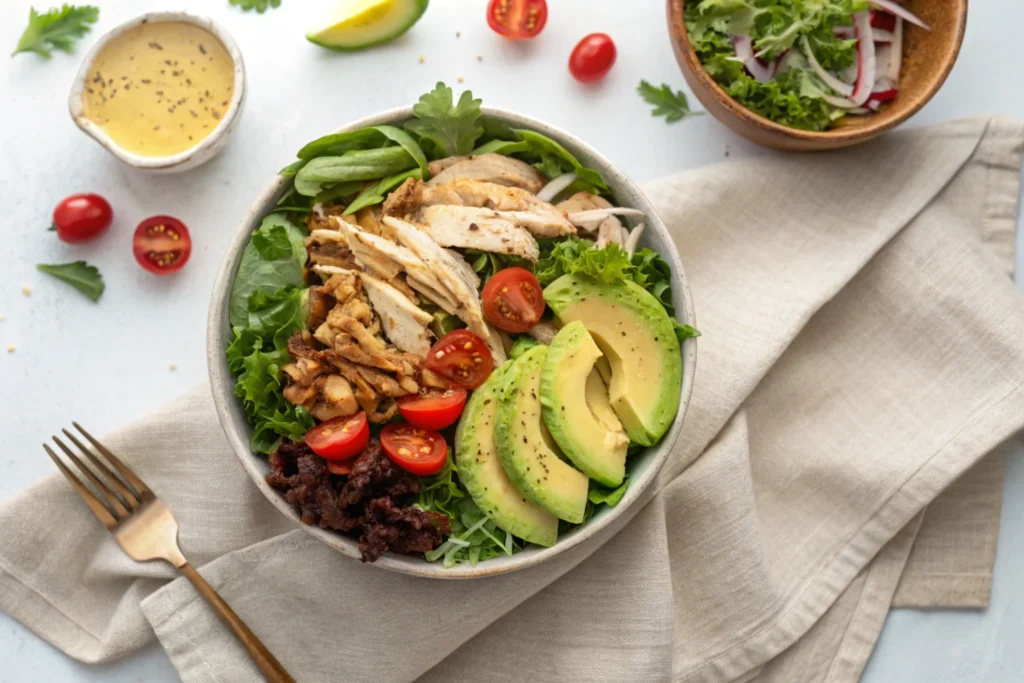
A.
pixel 146 530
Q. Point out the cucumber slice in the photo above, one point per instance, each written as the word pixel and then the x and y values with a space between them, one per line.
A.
pixel 358 24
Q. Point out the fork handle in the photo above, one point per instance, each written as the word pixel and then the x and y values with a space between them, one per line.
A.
pixel 269 666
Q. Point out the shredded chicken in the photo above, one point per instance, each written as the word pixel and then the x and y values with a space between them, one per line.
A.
pixel 475 228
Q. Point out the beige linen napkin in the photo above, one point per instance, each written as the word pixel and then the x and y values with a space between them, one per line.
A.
pixel 863 349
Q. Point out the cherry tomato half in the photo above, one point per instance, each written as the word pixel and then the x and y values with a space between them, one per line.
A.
pixel 435 410
pixel 341 438
pixel 592 58
pixel 413 449
pixel 81 217
pixel 513 300
pixel 461 358
pixel 340 467
pixel 517 19
pixel 162 244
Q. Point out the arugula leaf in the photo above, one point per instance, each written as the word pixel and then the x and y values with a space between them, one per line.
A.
pixel 673 105
pixel 608 496
pixel 80 275
pixel 273 260
pixel 58 29
pixel 375 194
pixel 446 128
pixel 368 164
pixel 474 537
pixel 259 5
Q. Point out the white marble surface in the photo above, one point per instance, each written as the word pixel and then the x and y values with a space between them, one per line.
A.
pixel 104 364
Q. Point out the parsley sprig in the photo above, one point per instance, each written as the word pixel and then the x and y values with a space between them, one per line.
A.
pixel 260 6
pixel 57 29
pixel 673 105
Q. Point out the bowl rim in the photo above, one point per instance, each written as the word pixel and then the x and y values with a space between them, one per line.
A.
pixel 222 380
pixel 223 128
pixel 677 27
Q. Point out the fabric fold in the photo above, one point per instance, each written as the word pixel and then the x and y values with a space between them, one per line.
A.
pixel 862 351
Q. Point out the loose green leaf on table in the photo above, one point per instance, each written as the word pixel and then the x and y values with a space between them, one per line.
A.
pixel 80 275
pixel 673 105
pixel 57 29
pixel 260 6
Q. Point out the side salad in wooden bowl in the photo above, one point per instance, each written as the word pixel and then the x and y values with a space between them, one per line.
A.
pixel 448 340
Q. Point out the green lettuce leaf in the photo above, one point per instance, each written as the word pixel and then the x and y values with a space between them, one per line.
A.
pixel 272 260
pixel 602 495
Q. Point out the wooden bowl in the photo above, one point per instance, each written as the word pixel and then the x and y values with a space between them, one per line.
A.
pixel 928 57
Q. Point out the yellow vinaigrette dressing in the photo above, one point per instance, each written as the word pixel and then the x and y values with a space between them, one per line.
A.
pixel 160 88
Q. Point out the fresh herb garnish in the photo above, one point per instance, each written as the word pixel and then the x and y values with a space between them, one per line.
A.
pixel 673 105
pixel 260 6
pixel 58 29
pixel 80 275
pixel 444 127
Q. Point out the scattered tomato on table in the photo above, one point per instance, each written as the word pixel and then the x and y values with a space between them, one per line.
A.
pixel 517 19
pixel 419 451
pixel 592 58
pixel 81 217
pixel 161 244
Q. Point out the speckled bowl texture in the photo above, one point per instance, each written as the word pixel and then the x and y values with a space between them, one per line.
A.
pixel 928 57
pixel 642 468
pixel 210 146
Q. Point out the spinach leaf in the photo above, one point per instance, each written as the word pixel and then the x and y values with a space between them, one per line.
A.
pixel 541 144
pixel 272 260
pixel 608 496
pixel 80 275
pixel 370 164
pixel 408 144
pixel 337 144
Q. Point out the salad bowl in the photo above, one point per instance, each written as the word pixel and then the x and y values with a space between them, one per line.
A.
pixel 642 468
pixel 928 57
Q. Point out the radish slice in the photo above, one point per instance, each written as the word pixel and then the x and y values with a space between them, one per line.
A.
pixel 831 81
pixel 883 95
pixel 634 239
pixel 844 32
pixel 882 36
pixel 896 52
pixel 553 188
pixel 744 47
pixel 874 105
pixel 900 12
pixel 883 55
pixel 840 102
pixel 865 58
pixel 883 20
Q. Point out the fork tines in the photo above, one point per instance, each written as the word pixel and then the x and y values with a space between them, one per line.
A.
pixel 115 493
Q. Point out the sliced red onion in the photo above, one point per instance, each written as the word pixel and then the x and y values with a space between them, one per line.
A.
pixel 896 53
pixel 841 102
pixel 553 188
pixel 883 55
pixel 831 81
pixel 859 111
pixel 882 36
pixel 634 239
pixel 744 47
pixel 865 58
pixel 900 12
pixel 844 32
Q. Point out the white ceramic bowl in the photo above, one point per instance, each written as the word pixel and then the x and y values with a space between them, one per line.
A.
pixel 190 158
pixel 642 468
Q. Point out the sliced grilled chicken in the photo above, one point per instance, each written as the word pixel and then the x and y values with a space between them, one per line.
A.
pixel 539 217
pixel 475 228
pixel 405 325
pixel 609 230
pixel 493 168
pixel 449 272
pixel 436 167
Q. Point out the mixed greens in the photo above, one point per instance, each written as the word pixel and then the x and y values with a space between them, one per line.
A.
pixel 801 63
pixel 338 184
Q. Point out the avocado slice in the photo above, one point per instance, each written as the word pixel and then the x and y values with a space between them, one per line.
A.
pixel 357 24
pixel 528 453
pixel 596 447
pixel 644 366
pixel 481 472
